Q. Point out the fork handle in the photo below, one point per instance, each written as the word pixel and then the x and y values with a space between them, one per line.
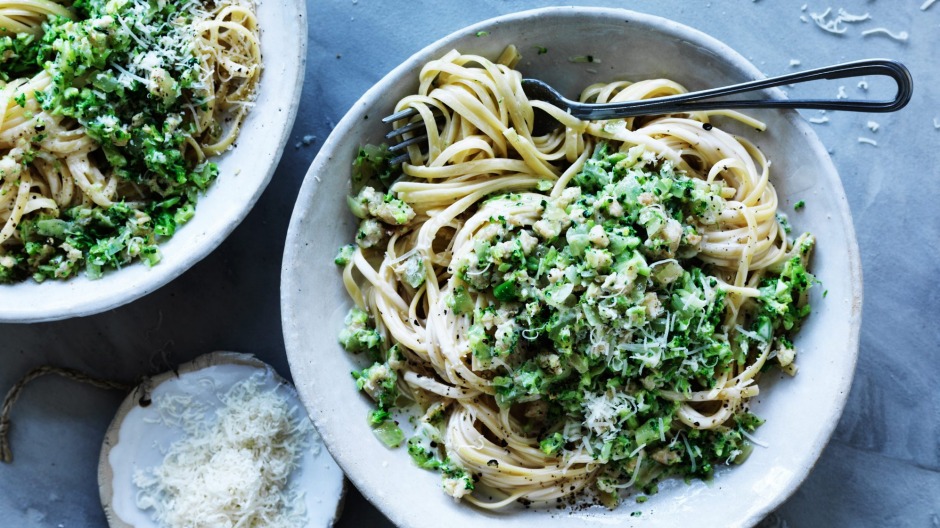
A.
pixel 694 101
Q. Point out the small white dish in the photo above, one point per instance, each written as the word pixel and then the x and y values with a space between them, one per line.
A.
pixel 801 412
pixel 137 439
pixel 244 172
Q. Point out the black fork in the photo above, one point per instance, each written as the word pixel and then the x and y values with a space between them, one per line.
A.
pixel 700 100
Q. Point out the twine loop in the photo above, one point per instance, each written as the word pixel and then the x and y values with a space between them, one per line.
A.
pixel 6 453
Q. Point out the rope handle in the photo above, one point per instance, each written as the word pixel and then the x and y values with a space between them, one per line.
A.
pixel 6 453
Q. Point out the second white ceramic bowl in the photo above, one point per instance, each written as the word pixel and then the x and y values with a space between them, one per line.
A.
pixel 244 172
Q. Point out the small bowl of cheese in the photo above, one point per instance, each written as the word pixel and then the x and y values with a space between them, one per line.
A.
pixel 221 441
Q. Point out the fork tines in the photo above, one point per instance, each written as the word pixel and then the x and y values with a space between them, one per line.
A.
pixel 404 114
pixel 401 131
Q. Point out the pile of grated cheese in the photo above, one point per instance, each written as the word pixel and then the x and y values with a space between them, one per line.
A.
pixel 232 467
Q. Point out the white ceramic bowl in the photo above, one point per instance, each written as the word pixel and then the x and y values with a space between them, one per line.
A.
pixel 244 172
pixel 137 438
pixel 801 412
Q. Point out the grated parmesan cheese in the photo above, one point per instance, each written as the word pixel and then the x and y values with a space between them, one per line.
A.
pixel 604 411
pixel 867 141
pixel 926 5
pixel 846 17
pixel 231 469
pixel 835 25
pixel 873 126
pixel 900 36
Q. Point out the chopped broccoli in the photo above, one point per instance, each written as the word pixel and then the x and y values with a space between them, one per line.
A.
pixel 460 301
pixel 380 382
pixel 424 445
pixel 456 481
pixel 384 207
pixel 591 316
pixel 370 233
pixel 389 433
pixel 372 166
pixel 413 271
pixel 134 98
pixel 358 336
pixel 345 254
pixel 552 445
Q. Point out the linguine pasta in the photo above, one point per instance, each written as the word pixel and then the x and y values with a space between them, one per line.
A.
pixel 585 308
pixel 107 111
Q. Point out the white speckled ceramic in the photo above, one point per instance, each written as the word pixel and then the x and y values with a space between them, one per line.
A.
pixel 801 412
pixel 244 172
pixel 137 440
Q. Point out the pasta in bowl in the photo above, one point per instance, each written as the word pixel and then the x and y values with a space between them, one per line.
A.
pixel 585 309
pixel 118 117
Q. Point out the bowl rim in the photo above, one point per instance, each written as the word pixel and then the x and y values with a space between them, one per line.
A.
pixel 358 111
pixel 63 303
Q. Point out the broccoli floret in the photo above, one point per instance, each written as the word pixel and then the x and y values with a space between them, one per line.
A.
pixel 378 416
pixel 393 211
pixel 380 382
pixel 385 207
pixel 373 166
pixel 9 265
pixel 345 254
pixel 783 298
pixel 653 430
pixel 479 343
pixel 460 301
pixel 18 56
pixel 528 380
pixel 457 482
pixel 553 444
pixel 748 421
pixel 370 233
pixel 506 291
pixel 422 446
pixel 412 271
pixel 358 336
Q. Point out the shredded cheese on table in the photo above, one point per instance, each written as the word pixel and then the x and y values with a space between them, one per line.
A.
pixel 900 36
pixel 834 25
pixel 232 468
